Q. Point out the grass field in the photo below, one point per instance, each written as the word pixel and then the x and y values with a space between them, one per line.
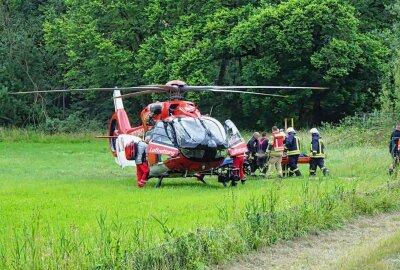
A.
pixel 58 192
pixel 382 255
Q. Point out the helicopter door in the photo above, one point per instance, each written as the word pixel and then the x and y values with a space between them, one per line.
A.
pixel 123 141
pixel 236 142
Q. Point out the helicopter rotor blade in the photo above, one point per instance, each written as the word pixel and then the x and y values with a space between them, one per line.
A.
pixel 142 93
pixel 136 89
pixel 201 88
pixel 245 92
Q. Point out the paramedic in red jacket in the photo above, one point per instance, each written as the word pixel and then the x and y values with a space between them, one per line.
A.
pixel 142 166
pixel 275 151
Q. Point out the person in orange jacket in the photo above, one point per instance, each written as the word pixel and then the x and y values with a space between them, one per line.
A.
pixel 275 151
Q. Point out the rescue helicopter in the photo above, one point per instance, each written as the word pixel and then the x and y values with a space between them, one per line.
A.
pixel 183 142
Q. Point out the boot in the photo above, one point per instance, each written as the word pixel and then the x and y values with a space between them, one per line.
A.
pixel 298 173
pixel 325 171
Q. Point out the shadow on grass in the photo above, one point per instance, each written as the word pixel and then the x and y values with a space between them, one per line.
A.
pixel 185 182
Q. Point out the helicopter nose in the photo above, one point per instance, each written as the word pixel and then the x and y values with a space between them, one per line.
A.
pixel 212 144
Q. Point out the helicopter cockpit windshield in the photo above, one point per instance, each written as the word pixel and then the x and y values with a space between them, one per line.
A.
pixel 203 132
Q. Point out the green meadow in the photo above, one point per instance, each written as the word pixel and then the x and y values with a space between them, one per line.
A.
pixel 65 203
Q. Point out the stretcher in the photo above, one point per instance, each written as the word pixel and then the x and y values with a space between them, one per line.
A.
pixel 303 159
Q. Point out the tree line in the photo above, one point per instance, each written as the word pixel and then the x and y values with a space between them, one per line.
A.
pixel 349 46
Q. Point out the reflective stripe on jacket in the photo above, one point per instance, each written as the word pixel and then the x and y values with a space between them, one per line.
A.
pixel 292 144
pixel 317 147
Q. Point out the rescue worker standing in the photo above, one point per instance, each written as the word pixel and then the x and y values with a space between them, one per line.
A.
pixel 252 145
pixel 292 144
pixel 394 148
pixel 262 149
pixel 275 151
pixel 394 141
pixel 317 153
pixel 142 166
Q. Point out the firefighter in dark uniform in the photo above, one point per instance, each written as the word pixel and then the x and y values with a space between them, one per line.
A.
pixel 292 145
pixel 394 148
pixel 394 139
pixel 252 145
pixel 317 153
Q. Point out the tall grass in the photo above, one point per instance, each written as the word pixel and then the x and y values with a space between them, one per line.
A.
pixel 259 224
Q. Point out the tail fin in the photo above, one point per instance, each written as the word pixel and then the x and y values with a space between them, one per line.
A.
pixel 118 101
pixel 123 121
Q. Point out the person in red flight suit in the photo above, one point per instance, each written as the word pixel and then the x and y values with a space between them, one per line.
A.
pixel 142 165
pixel 238 162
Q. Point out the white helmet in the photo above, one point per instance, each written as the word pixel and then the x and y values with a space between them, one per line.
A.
pixel 314 131
pixel 290 130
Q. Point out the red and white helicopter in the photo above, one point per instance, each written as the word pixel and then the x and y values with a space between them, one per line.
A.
pixel 183 142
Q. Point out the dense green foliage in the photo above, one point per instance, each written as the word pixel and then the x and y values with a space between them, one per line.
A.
pixel 348 46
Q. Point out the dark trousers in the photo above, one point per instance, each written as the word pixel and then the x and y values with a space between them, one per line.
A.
pixel 261 164
pixel 293 159
pixel 316 162
pixel 253 164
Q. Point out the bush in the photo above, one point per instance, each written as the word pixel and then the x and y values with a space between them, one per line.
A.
pixel 74 123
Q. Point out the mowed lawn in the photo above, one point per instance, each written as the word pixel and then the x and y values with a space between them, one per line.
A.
pixel 71 184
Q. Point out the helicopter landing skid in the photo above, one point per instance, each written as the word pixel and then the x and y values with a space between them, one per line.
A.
pixel 159 182
pixel 200 177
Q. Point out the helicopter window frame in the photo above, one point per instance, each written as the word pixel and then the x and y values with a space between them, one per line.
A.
pixel 164 133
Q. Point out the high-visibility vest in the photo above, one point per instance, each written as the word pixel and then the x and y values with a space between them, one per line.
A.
pixel 320 150
pixel 278 141
pixel 398 145
pixel 296 147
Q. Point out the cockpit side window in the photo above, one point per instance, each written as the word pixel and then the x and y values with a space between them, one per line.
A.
pixel 232 133
pixel 163 133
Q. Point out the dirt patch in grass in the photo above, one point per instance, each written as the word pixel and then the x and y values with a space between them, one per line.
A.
pixel 321 250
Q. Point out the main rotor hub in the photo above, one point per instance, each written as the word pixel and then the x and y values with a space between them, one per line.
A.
pixel 176 83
